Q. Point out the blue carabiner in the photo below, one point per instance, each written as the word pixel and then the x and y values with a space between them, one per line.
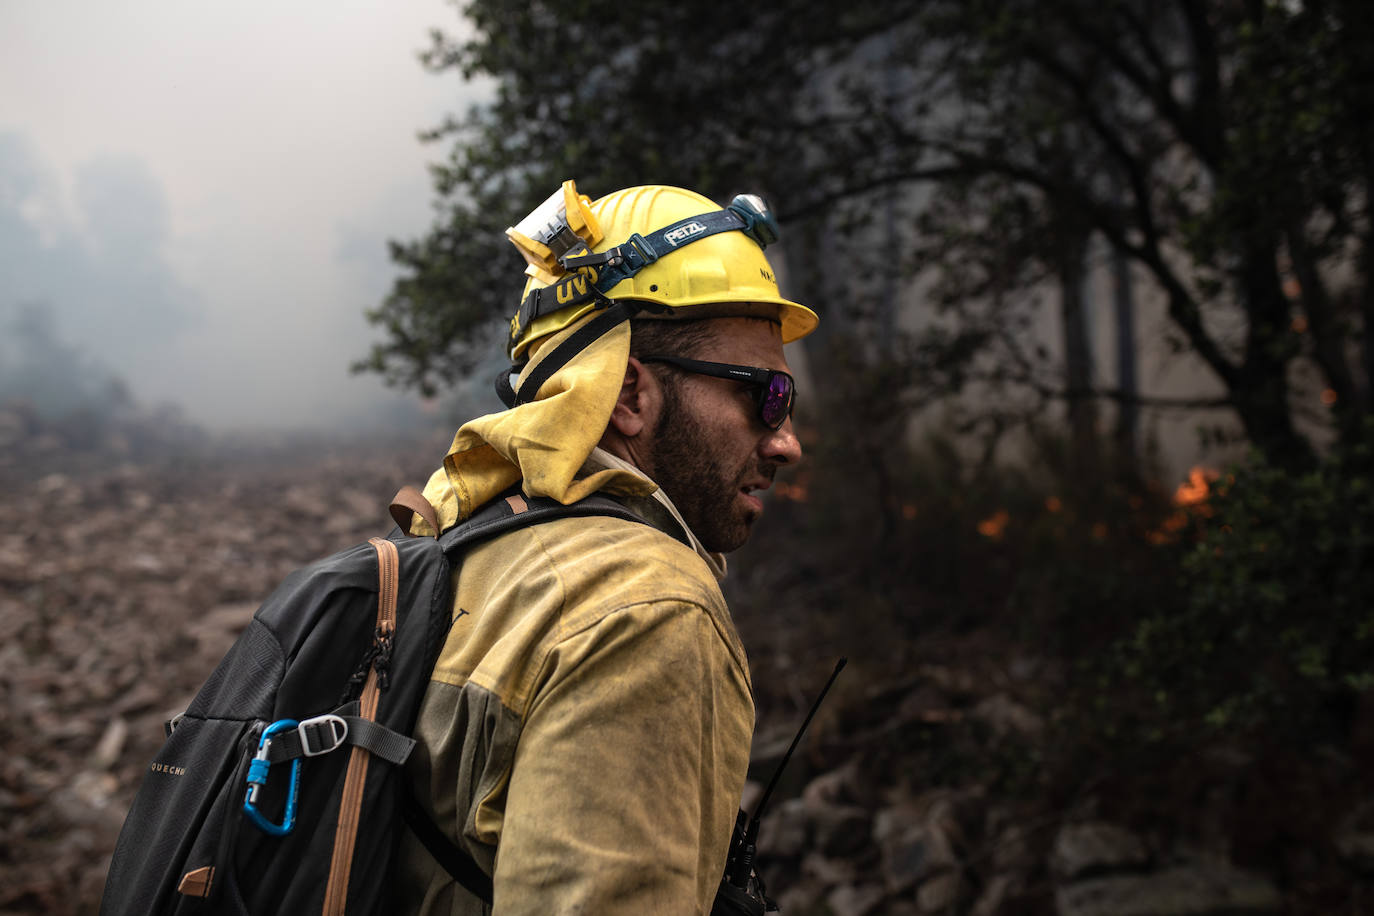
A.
pixel 257 778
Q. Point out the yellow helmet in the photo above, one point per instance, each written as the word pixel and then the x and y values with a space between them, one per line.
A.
pixel 654 251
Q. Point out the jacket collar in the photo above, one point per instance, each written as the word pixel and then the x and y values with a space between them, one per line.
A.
pixel 656 508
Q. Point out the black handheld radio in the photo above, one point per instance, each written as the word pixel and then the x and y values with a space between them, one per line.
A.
pixel 742 892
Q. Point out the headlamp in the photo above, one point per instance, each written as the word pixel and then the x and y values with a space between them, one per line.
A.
pixel 561 226
pixel 759 222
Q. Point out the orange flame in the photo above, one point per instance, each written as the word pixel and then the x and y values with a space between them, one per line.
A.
pixel 995 524
pixel 1195 489
pixel 1190 498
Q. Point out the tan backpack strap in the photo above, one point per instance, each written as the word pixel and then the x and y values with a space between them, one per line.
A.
pixel 355 778
pixel 409 500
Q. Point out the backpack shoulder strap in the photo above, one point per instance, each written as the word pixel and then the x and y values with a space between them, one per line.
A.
pixel 514 510
pixel 460 866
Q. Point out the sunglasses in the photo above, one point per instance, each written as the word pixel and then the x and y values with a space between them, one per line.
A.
pixel 774 391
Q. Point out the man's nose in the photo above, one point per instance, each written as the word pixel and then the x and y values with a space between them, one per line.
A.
pixel 781 445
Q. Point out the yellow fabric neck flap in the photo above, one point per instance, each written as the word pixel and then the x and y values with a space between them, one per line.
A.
pixel 546 441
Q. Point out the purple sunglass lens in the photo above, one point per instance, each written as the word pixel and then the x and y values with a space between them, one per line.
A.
pixel 778 402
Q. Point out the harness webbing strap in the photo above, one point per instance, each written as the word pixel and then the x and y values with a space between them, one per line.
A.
pixel 377 740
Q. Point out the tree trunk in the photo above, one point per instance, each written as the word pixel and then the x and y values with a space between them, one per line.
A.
pixel 1128 411
pixel 1261 391
pixel 1078 367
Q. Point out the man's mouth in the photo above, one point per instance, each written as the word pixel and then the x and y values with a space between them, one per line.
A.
pixel 748 490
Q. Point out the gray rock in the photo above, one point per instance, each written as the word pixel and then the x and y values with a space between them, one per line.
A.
pixel 839 830
pixel 1095 848
pixel 893 821
pixel 1005 717
pixel 827 871
pixel 1357 850
pixel 898 908
pixel 832 788
pixel 855 900
pixel 940 893
pixel 804 898
pixel 111 744
pixel 998 898
pixel 1354 839
pixel 1013 850
pixel 783 832
pixel 957 813
pixel 912 851
pixel 1179 891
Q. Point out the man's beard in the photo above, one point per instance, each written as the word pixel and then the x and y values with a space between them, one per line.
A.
pixel 700 485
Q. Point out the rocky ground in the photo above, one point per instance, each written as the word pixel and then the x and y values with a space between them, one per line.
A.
pixel 118 593
pixel 119 590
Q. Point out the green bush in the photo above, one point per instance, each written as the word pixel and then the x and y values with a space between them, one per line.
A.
pixel 1274 630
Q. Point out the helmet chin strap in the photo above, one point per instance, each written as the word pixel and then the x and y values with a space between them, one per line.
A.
pixel 617 311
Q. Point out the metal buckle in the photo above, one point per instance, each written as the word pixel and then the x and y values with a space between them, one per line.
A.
pixel 638 246
pixel 338 731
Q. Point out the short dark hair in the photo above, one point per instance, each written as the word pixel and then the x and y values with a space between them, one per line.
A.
pixel 685 337
pixel 664 337
pixel 670 337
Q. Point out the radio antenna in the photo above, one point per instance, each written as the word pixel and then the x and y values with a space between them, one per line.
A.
pixel 772 783
pixel 745 862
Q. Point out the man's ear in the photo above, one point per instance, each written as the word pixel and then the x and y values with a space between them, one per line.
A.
pixel 637 406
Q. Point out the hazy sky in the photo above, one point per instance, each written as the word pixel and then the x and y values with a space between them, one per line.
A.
pixel 201 192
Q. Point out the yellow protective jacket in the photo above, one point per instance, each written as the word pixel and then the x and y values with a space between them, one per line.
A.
pixel 586 731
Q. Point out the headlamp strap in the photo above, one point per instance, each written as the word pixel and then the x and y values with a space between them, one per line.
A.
pixel 639 251
pixel 591 276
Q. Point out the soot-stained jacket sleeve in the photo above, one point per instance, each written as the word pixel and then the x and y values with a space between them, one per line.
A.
pixel 629 768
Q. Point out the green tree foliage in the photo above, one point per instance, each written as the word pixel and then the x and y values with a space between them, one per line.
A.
pixel 609 94
pixel 1274 635
pixel 1222 148
pixel 1214 144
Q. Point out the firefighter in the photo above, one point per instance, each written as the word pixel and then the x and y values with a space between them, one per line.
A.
pixel 586 730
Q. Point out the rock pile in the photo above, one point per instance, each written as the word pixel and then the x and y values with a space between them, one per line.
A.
pixel 867 834
pixel 943 852
pixel 118 594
